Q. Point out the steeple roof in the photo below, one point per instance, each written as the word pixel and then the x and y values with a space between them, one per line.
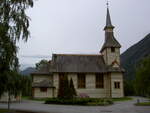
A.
pixel 108 20
pixel 110 40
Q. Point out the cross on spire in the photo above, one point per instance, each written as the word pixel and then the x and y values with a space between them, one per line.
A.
pixel 107 4
pixel 108 18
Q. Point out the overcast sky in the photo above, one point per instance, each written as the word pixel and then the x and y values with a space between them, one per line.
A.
pixel 76 26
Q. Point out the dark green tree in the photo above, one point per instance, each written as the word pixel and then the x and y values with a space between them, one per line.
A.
pixel 129 89
pixel 26 85
pixel 66 89
pixel 72 91
pixel 142 81
pixel 61 88
pixel 43 64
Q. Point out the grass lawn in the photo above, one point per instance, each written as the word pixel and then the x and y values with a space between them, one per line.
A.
pixel 36 99
pixel 3 110
pixel 143 104
pixel 121 99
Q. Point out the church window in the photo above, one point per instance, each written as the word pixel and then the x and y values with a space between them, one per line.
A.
pixel 99 80
pixel 43 89
pixel 117 85
pixel 112 49
pixel 81 80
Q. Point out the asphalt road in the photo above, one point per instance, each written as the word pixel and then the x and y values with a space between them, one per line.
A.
pixel 117 107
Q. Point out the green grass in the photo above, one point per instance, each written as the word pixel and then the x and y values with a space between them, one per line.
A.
pixel 143 104
pixel 39 99
pixel 122 99
pixel 3 110
pixel 26 97
pixel 36 99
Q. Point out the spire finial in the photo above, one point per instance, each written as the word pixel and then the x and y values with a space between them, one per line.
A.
pixel 108 18
pixel 107 4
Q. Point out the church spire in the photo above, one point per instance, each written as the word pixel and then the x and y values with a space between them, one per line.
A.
pixel 108 19
pixel 110 40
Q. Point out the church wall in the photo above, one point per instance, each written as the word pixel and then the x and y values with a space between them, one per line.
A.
pixel 94 92
pixel 39 94
pixel 90 89
pixel 55 83
pixel 109 56
pixel 117 77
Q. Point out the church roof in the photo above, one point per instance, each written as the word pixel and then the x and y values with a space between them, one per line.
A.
pixel 110 41
pixel 79 63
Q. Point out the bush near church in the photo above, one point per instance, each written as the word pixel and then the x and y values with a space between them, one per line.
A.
pixel 80 101
pixel 67 95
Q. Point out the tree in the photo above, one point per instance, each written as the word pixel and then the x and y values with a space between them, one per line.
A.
pixel 63 91
pixel 14 86
pixel 26 85
pixel 43 64
pixel 66 89
pixel 129 87
pixel 72 91
pixel 14 24
pixel 142 81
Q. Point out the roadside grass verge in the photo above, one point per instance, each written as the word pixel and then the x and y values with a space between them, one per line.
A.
pixel 3 110
pixel 121 99
pixel 35 99
pixel 143 104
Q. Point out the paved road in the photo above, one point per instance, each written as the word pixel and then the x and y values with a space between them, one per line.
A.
pixel 118 107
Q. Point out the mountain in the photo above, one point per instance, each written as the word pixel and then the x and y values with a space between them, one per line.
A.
pixel 28 71
pixel 132 56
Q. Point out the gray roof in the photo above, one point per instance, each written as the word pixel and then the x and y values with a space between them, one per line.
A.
pixel 108 20
pixel 115 69
pixel 110 41
pixel 44 83
pixel 78 63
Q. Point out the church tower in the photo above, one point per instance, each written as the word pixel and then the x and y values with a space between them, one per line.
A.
pixel 111 47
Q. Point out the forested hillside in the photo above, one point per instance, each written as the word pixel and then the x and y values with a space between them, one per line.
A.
pixel 131 57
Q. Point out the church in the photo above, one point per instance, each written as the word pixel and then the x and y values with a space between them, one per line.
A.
pixel 94 75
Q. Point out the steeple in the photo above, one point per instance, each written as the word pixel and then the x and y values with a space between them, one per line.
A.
pixel 108 20
pixel 110 40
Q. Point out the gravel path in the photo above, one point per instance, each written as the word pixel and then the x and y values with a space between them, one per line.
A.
pixel 117 107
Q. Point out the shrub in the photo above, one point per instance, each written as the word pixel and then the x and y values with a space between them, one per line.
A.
pixel 79 101
pixel 66 89
pixel 72 89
